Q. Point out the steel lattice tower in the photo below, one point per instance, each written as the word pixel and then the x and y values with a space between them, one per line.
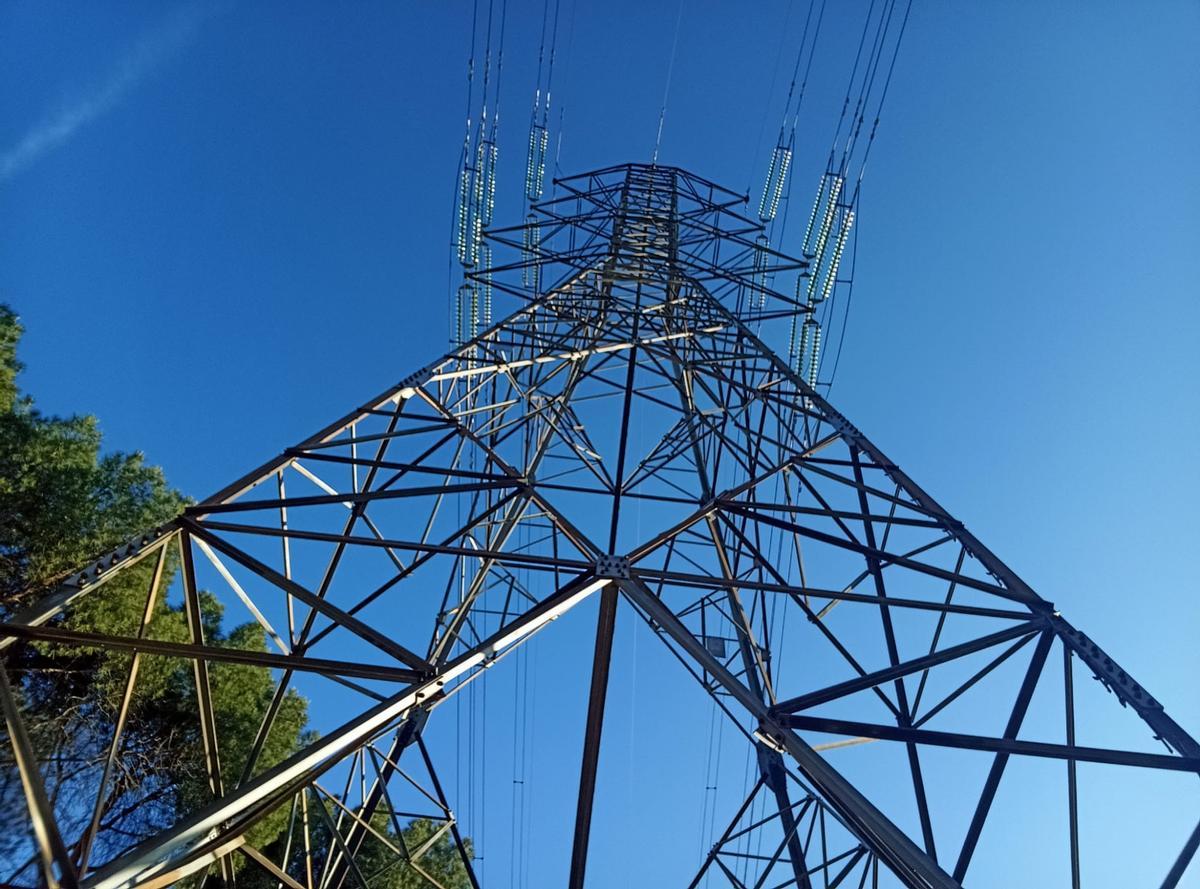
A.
pixel 419 540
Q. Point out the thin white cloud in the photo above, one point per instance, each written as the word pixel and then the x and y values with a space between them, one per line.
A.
pixel 59 126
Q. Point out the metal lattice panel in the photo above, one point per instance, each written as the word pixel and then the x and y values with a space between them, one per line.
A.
pixel 404 550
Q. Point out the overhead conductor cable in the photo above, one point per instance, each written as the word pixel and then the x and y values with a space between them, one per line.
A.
pixel 775 184
pixel 476 199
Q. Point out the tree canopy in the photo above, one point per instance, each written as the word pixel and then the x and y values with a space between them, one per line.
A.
pixel 63 501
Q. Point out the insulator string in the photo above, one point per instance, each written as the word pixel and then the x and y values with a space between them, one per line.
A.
pixel 781 155
pixel 835 207
pixel 762 127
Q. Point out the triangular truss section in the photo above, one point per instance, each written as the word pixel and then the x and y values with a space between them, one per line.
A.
pixel 630 432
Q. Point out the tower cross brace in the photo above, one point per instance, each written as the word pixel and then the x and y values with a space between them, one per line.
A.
pixel 630 434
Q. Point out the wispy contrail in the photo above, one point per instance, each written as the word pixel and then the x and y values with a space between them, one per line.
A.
pixel 56 128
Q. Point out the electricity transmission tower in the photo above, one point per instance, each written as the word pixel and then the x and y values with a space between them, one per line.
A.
pixel 414 544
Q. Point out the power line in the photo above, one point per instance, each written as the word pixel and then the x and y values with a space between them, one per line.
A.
pixel 662 114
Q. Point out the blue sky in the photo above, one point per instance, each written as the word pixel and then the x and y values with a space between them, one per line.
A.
pixel 224 226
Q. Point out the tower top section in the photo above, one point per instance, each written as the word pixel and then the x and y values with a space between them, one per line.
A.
pixel 648 226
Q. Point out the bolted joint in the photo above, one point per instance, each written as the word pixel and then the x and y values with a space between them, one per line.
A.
pixel 408 386
pixel 414 380
pixel 847 429
pixel 616 567
pixel 1106 670
pixel 117 557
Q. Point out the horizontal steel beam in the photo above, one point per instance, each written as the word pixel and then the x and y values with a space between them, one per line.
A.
pixel 99 572
pixel 266 659
pixel 994 745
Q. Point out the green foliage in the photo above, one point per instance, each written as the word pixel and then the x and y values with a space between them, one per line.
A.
pixel 10 335
pixel 422 854
pixel 241 696
pixel 62 503
pixel 441 860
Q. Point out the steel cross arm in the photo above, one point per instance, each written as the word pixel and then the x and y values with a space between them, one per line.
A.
pixel 348 498
pixel 417 467
pixel 812 699
pixel 711 581
pixel 602 348
pixel 995 745
pixel 175 851
pixel 513 558
pixel 265 659
pixel 912 865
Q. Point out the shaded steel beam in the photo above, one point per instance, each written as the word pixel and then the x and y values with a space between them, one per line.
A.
pixel 601 661
pixel 51 848
pixel 266 659
pixel 1069 752
pixel 1186 854
pixel 90 578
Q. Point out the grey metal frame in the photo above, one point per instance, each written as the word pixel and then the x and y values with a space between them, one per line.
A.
pixel 514 460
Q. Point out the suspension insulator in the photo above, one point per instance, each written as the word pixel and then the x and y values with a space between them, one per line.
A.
pixel 801 348
pixel 531 164
pixel 487 193
pixel 463 301
pixel 531 270
pixel 793 344
pixel 762 202
pixel 485 300
pixel 812 217
pixel 474 313
pixel 543 147
pixel 818 255
pixel 466 216
pixel 483 157
pixel 781 161
pixel 535 165
pixel 836 260
pixel 759 276
pixel 456 331
pixel 814 358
